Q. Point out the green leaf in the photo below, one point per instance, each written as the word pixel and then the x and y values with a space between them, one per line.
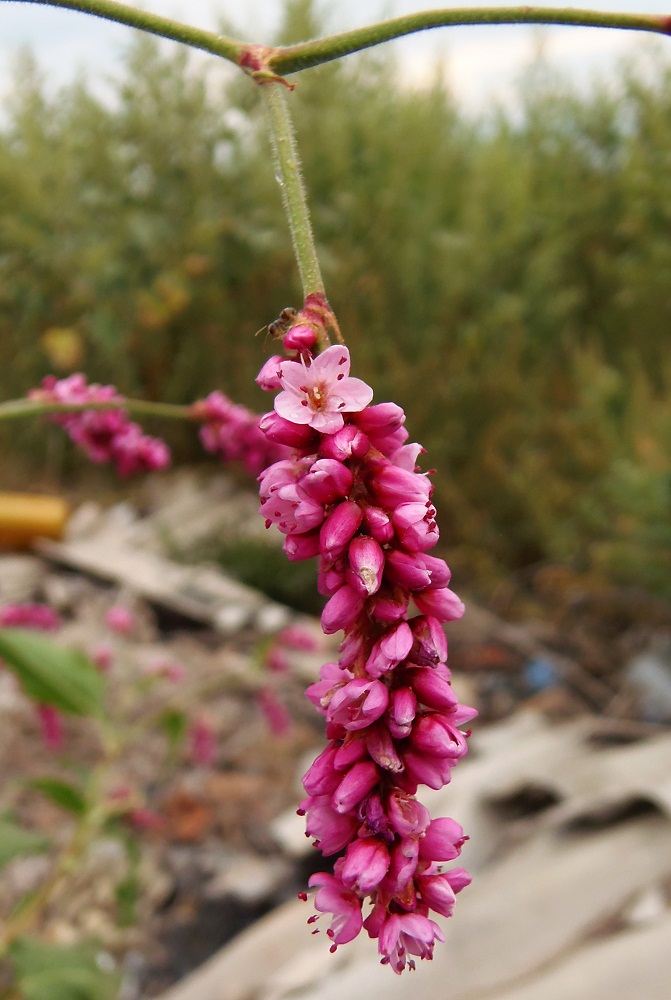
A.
pixel 15 841
pixel 174 724
pixel 52 675
pixel 127 894
pixel 64 794
pixel 52 972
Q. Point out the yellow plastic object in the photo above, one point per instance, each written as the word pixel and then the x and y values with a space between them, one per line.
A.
pixel 27 516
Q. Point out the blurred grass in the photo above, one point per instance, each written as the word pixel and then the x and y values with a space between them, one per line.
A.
pixel 505 280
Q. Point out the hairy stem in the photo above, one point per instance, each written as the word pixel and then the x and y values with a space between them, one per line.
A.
pixel 292 58
pixel 16 409
pixel 288 173
pixel 121 13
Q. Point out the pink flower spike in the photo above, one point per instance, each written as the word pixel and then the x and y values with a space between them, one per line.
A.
pixel 298 637
pixel 52 727
pixel 120 620
pixel 275 713
pixel 38 616
pixel 202 741
pixel 319 394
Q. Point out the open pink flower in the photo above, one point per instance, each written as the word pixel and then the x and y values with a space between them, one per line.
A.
pixel 318 394
pixel 407 934
pixel 342 903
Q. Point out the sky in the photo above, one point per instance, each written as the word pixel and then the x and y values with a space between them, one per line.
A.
pixel 481 64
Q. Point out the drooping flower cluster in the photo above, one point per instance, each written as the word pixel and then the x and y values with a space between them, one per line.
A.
pixel 350 494
pixel 104 435
pixel 232 432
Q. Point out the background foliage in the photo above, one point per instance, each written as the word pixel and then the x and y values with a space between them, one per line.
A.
pixel 506 280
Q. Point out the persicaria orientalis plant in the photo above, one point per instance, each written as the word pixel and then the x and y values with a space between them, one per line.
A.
pixel 339 479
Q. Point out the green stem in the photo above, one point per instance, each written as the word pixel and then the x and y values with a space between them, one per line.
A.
pixel 16 409
pixel 288 172
pixel 292 58
pixel 218 45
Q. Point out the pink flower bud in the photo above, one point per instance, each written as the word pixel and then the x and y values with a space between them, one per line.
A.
pixel 407 569
pixel 327 480
pixel 393 486
pixel 348 442
pixel 283 431
pixel 439 570
pixel 365 865
pixel 432 689
pixel 321 778
pixel 269 377
pixel 442 603
pixel 443 840
pixel 366 563
pixel 300 547
pixel 300 338
pixel 437 893
pixel 402 709
pixel 355 785
pixel 383 417
pixel 458 879
pixel 379 524
pixel 341 610
pixel 390 650
pixel 349 753
pixel 339 527
pixel 433 734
